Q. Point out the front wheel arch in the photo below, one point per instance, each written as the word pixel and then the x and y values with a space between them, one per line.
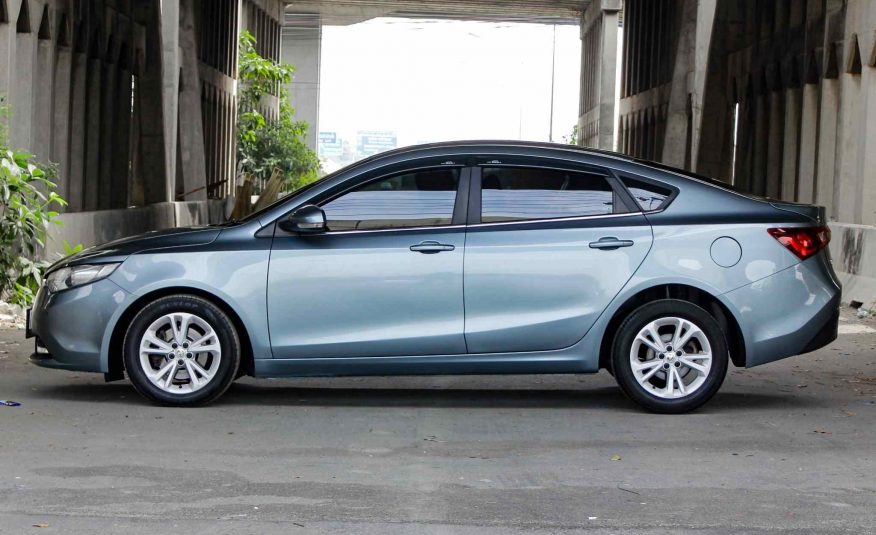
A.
pixel 115 358
pixel 683 292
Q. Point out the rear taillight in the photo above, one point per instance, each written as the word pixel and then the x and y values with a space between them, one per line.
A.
pixel 802 241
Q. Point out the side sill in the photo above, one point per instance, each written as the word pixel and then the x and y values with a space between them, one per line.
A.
pixel 480 364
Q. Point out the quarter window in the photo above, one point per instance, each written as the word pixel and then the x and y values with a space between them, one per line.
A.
pixel 419 199
pixel 647 196
pixel 520 193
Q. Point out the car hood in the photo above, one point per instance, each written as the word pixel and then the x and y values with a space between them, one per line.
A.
pixel 119 250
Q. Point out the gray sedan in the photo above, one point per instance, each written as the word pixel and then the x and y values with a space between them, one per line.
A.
pixel 457 258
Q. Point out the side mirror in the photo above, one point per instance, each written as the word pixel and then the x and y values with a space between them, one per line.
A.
pixel 309 219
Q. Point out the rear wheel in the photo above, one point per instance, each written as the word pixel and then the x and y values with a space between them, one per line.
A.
pixel 670 356
pixel 181 350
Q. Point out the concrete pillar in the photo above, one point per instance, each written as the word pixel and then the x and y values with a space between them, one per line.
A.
pixel 791 143
pixel 94 107
pixel 599 72
pixel 154 153
pixel 60 145
pixel 170 54
pixel 121 155
pixel 191 142
pixel 808 145
pixel 209 125
pixel 301 46
pixel 703 37
pixel 827 140
pixel 42 94
pixel 742 173
pixel 137 192
pixel 760 145
pixel 21 83
pixel 76 177
pixel 687 87
pixel 849 183
pixel 7 48
pixel 867 151
pixel 109 137
pixel 775 141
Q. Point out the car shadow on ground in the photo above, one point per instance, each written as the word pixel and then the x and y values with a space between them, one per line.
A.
pixel 598 398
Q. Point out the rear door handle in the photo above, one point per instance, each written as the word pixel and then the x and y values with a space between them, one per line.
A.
pixel 610 243
pixel 431 247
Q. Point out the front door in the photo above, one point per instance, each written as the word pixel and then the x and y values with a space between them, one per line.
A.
pixel 385 280
pixel 547 251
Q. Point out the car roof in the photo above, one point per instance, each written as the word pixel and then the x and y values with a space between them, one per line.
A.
pixel 541 147
pixel 497 144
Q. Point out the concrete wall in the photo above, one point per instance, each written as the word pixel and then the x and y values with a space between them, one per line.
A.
pixel 95 228
pixel 853 250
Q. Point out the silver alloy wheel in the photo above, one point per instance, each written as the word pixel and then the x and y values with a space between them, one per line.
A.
pixel 671 357
pixel 180 353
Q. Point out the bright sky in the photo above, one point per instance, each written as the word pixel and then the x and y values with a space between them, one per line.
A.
pixel 432 80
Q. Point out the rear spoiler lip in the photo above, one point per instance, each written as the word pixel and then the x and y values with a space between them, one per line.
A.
pixel 811 211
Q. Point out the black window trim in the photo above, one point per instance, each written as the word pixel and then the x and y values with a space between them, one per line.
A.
pixel 673 191
pixel 620 191
pixel 459 207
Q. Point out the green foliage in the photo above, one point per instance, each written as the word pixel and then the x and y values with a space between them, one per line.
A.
pixel 572 139
pixel 70 250
pixel 27 200
pixel 264 145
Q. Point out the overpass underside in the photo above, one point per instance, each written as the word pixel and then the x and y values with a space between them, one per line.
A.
pixel 777 97
pixel 343 12
pixel 134 100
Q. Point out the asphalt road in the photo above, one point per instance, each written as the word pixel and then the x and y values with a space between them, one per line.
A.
pixel 788 447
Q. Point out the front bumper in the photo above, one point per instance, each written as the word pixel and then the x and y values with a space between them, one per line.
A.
pixel 789 313
pixel 70 325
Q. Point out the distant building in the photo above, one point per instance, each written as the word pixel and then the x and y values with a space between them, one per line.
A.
pixel 370 142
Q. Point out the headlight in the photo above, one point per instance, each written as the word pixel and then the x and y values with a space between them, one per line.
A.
pixel 71 277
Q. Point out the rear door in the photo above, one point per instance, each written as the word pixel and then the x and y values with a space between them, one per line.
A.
pixel 548 247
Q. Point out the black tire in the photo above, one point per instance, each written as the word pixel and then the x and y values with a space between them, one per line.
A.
pixel 623 345
pixel 228 365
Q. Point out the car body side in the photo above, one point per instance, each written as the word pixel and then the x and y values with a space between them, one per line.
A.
pixel 778 305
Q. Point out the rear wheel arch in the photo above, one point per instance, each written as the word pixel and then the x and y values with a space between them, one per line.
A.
pixel 115 358
pixel 683 292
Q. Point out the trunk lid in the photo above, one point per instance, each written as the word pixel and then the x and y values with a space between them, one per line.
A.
pixel 816 213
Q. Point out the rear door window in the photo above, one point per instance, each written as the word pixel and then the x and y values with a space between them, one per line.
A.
pixel 525 193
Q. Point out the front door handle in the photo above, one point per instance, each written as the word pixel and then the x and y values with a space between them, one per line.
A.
pixel 431 247
pixel 610 243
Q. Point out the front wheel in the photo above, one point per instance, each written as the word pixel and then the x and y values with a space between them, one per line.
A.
pixel 181 350
pixel 670 356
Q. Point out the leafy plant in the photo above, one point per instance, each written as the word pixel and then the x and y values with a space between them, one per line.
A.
pixel 572 139
pixel 264 145
pixel 27 200
pixel 70 249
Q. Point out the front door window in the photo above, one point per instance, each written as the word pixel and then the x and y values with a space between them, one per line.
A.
pixel 422 198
